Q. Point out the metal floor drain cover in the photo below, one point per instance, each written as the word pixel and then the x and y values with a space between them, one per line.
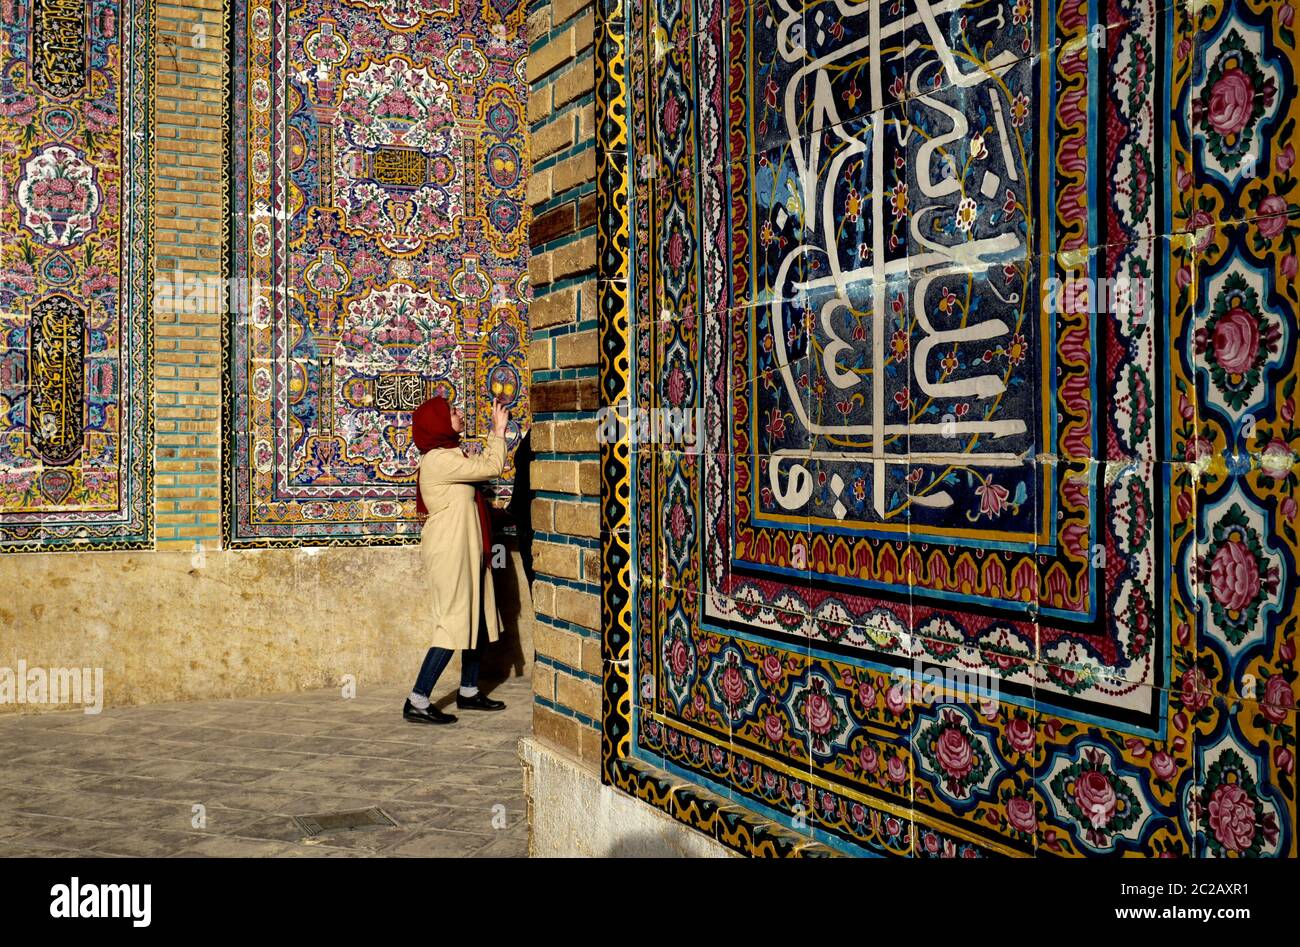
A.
pixel 321 822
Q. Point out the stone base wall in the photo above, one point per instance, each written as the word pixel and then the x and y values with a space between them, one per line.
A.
pixel 175 626
pixel 571 815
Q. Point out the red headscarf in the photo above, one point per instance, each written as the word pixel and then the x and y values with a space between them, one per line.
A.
pixel 431 430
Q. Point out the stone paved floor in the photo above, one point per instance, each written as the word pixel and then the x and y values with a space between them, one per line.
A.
pixel 125 782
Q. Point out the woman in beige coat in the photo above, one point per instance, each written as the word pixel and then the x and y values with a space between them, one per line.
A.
pixel 456 545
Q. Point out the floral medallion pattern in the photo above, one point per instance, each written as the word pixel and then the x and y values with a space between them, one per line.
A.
pixel 1238 344
pixel 1234 97
pixel 819 710
pixel 1098 802
pixel 381 227
pixel 58 197
pixel 679 663
pixel 957 758
pixel 733 688
pixel 1239 577
pixel 1238 815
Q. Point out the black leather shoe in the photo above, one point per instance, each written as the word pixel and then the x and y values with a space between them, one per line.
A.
pixel 479 701
pixel 430 714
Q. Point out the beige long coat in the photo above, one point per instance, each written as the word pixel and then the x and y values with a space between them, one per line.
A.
pixel 451 544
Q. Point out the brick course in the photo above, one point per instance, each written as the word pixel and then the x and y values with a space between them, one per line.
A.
pixel 563 360
pixel 188 207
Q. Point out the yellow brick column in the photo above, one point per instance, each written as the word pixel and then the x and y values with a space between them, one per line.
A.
pixel 188 208
pixel 563 360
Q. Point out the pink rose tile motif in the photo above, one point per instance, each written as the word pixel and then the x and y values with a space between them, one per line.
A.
pixel 1243 801
pixel 1239 572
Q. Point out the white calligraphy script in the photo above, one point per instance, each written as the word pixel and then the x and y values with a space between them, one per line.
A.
pixel 935 261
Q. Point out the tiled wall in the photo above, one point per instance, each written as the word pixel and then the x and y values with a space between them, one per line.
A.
pixel 989 312
pixel 402 236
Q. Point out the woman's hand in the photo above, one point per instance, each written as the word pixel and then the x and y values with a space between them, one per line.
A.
pixel 500 416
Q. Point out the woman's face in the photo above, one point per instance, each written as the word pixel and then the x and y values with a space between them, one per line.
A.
pixel 457 420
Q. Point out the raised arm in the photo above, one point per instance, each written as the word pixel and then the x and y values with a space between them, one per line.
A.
pixel 451 466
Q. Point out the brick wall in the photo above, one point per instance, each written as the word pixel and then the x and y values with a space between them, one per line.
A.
pixel 188 204
pixel 563 360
